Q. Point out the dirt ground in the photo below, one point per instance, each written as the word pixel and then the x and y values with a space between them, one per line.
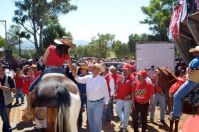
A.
pixel 156 126
pixel 19 126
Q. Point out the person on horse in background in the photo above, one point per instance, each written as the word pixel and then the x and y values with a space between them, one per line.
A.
pixel 55 57
pixel 192 80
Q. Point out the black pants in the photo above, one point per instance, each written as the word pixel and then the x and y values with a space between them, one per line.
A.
pixel 140 109
pixel 4 117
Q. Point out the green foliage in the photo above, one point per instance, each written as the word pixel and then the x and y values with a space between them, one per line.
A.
pixel 158 18
pixel 121 50
pixel 33 16
pixel 98 47
pixel 2 42
pixel 53 30
pixel 15 34
pixel 133 38
pixel 102 46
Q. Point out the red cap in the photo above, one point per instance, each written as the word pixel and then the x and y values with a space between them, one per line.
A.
pixel 126 67
pixel 142 73
pixel 132 67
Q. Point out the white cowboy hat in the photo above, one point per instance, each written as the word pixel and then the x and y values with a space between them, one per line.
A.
pixel 100 67
pixel 196 49
pixel 65 40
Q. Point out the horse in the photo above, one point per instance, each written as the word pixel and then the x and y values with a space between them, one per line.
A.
pixel 56 91
pixel 166 78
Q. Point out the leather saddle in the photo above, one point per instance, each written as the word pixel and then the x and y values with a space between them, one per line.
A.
pixel 44 94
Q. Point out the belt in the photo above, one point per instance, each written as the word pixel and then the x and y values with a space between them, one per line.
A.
pixel 54 67
pixel 96 100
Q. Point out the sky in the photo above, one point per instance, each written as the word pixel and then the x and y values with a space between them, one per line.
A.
pixel 118 17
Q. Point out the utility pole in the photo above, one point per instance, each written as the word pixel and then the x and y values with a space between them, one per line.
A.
pixel 4 21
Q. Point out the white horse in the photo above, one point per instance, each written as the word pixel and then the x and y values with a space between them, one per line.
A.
pixel 56 90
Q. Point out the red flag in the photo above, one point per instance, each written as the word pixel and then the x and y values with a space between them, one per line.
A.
pixel 175 21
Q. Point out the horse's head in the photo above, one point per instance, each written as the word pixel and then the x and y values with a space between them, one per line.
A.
pixel 165 79
pixel 45 93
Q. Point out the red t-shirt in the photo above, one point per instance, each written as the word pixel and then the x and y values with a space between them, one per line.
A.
pixel 157 89
pixel 116 77
pixel 53 58
pixel 18 81
pixel 124 89
pixel 27 81
pixel 143 92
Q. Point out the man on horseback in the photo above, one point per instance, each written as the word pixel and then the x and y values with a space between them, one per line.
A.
pixel 191 82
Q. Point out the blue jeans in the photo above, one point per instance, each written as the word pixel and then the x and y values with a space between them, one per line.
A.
pixel 179 95
pixel 161 99
pixel 4 117
pixel 123 110
pixel 19 94
pixel 95 111
pixel 46 70
pixel 107 113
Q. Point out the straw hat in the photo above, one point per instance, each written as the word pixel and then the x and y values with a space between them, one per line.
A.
pixel 84 66
pixel 99 66
pixel 65 40
pixel 196 49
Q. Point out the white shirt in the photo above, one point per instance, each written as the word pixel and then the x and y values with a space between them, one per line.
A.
pixel 96 87
pixel 148 80
pixel 112 85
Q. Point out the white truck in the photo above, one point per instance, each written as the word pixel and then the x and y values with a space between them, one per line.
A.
pixel 155 54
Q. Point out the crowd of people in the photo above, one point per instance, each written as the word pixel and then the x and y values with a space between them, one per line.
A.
pixel 134 93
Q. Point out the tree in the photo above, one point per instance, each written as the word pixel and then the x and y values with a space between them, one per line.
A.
pixel 158 17
pixel 33 16
pixel 120 49
pixel 100 45
pixel 2 42
pixel 15 34
pixel 133 38
pixel 53 30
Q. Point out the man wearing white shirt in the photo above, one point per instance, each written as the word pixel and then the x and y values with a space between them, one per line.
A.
pixel 97 96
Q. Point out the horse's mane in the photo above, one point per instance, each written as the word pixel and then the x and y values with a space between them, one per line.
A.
pixel 167 72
